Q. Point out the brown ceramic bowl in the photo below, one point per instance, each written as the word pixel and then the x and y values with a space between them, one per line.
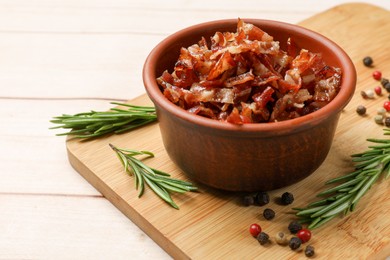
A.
pixel 249 157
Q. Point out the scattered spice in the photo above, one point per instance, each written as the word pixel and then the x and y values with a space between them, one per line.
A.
pixel 255 229
pixel 281 239
pixel 377 75
pixel 386 105
pixel 294 227
pixel 268 214
pixel 367 61
pixel 366 94
pixel 287 198
pixel 263 238
pixel 304 235
pixel 387 86
pixel 378 90
pixel 381 111
pixel 248 200
pixel 384 81
pixel 361 110
pixel 378 119
pixel 387 121
pixel 262 198
pixel 363 94
pixel 309 251
pixel 294 243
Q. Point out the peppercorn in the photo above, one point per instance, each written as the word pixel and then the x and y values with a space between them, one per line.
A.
pixel 361 110
pixel 263 238
pixel 294 243
pixel 255 229
pixel 268 214
pixel 287 198
pixel 377 75
pixel 367 94
pixel 387 121
pixel 381 111
pixel 367 61
pixel 304 235
pixel 386 105
pixel 378 90
pixel 248 200
pixel 262 198
pixel 281 239
pixel 370 93
pixel 379 119
pixel 387 86
pixel 294 227
pixel 384 81
pixel 309 251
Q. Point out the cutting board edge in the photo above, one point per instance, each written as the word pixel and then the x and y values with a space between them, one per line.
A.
pixel 116 200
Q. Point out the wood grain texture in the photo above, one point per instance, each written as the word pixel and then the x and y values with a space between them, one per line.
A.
pixel 212 224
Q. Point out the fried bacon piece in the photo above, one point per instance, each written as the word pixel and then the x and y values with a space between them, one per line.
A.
pixel 244 77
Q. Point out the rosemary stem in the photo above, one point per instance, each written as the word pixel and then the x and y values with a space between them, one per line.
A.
pixel 159 182
pixel 343 198
pixel 95 124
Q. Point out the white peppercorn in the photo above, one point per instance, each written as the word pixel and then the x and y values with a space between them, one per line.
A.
pixel 378 119
pixel 281 239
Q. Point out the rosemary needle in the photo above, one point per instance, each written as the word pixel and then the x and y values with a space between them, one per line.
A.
pixel 94 124
pixel 343 198
pixel 160 182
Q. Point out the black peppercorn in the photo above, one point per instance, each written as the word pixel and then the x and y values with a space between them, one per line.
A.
pixel 387 86
pixel 294 243
pixel 361 110
pixel 309 251
pixel 367 61
pixel 387 121
pixel 384 81
pixel 248 200
pixel 294 227
pixel 262 198
pixel 268 214
pixel 263 238
pixel 287 198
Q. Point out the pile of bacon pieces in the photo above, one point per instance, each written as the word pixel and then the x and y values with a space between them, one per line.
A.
pixel 244 77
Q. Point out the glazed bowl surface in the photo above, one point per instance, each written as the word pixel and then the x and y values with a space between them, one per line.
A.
pixel 248 157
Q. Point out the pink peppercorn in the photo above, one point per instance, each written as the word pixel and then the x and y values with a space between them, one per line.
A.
pixel 386 105
pixel 378 90
pixel 377 75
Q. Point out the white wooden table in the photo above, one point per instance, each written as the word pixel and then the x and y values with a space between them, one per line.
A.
pixel 69 56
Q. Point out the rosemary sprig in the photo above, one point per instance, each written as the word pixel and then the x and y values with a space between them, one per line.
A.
pixel 160 182
pixel 94 124
pixel 343 198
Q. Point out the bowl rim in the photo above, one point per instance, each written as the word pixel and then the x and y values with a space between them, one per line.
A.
pixel 345 94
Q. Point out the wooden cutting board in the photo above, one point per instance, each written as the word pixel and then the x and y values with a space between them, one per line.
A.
pixel 213 224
